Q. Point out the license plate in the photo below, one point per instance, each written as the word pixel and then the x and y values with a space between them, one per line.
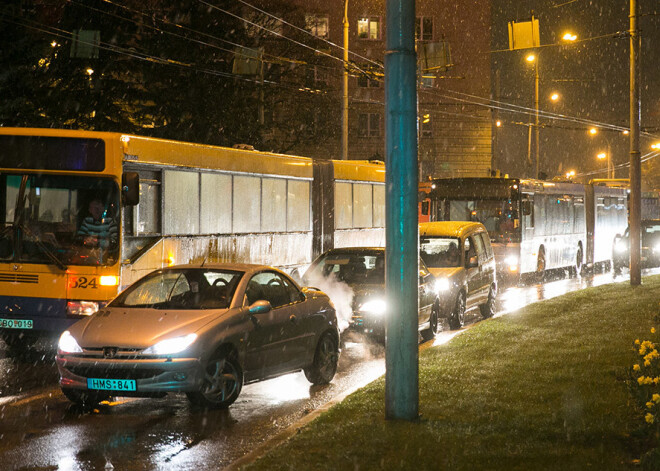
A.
pixel 16 323
pixel 111 384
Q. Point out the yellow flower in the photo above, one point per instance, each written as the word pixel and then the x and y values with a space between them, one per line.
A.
pixel 636 368
pixel 653 330
pixel 656 380
pixel 656 398
pixel 647 363
pixel 650 380
pixel 641 379
pixel 637 342
pixel 649 418
pixel 650 404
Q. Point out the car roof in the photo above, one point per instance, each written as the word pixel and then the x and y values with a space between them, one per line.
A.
pixel 450 228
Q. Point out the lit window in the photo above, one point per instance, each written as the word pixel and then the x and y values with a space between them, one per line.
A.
pixel 369 28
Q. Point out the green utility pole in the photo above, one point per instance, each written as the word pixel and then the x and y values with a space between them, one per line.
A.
pixel 635 161
pixel 401 233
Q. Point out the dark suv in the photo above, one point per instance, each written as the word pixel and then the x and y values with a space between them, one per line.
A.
pixel 650 251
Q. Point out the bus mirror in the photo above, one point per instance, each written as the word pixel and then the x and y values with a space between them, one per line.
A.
pixel 527 207
pixel 425 208
pixel 130 188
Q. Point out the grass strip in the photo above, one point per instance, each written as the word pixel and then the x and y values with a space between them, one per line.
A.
pixel 540 388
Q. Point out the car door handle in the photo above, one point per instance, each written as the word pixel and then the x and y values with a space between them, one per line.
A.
pixel 293 319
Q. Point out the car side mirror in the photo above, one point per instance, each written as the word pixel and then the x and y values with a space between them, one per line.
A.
pixel 473 262
pixel 260 307
pixel 527 207
pixel 130 188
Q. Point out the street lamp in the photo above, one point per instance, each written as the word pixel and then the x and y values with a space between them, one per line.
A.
pixel 554 97
pixel 569 37
pixel 593 131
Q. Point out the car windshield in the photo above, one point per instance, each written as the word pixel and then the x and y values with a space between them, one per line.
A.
pixel 440 252
pixel 351 268
pixel 187 289
pixel 59 219
pixel 651 233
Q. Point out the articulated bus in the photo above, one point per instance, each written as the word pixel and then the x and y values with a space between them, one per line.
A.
pixel 536 225
pixel 165 202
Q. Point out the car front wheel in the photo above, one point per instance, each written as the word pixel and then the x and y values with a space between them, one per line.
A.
pixel 428 334
pixel 223 380
pixel 326 356
pixel 457 317
pixel 488 309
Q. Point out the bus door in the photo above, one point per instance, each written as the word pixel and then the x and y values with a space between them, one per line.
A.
pixel 527 209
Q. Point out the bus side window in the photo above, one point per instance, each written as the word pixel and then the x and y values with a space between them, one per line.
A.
pixel 528 214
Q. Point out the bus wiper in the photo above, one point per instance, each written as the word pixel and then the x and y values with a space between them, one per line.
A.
pixel 49 253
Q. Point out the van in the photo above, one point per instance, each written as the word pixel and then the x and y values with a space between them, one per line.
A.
pixel 459 255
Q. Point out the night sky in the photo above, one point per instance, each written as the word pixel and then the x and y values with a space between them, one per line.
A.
pixel 591 76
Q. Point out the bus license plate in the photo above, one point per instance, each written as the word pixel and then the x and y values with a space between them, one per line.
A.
pixel 16 323
pixel 111 384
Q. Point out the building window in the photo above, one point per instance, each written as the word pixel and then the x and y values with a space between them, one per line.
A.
pixel 424 28
pixel 316 77
pixel 369 125
pixel 426 126
pixel 365 81
pixel 317 25
pixel 369 28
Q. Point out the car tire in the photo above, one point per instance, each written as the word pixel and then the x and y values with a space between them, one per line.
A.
pixel 84 399
pixel 488 308
pixel 223 381
pixel 434 322
pixel 326 357
pixel 457 316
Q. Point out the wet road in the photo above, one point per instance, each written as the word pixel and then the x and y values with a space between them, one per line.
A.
pixel 40 430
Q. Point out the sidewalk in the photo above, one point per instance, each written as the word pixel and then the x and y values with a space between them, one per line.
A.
pixel 540 388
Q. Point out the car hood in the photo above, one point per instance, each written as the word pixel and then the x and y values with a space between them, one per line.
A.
pixel 451 273
pixel 138 328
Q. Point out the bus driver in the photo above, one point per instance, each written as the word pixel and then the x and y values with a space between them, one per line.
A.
pixel 97 229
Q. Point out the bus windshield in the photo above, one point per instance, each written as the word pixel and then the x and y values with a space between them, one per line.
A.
pixel 499 217
pixel 65 220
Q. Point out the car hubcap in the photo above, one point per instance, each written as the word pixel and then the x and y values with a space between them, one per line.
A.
pixel 222 380
pixel 327 356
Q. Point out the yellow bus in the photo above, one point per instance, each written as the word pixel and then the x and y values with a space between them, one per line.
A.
pixel 87 213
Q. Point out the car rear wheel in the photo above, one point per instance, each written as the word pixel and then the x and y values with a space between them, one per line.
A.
pixel 457 317
pixel 223 380
pixel 84 399
pixel 326 356
pixel 429 333
pixel 488 309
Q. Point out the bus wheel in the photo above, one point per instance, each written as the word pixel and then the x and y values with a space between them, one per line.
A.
pixel 540 265
pixel 578 262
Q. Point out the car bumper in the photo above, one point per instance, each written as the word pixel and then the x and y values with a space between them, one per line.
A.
pixel 150 375
pixel 367 325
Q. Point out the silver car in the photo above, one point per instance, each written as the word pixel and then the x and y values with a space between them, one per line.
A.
pixel 200 329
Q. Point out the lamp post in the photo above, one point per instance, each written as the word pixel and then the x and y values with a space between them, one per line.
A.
pixel 534 58
pixel 344 102
pixel 607 155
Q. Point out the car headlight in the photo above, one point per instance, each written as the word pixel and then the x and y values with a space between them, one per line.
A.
pixel 170 346
pixel 442 285
pixel 82 308
pixel 68 344
pixel 621 247
pixel 374 306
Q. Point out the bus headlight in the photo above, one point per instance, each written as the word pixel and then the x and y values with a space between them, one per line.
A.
pixel 376 307
pixel 621 247
pixel 68 344
pixel 442 285
pixel 82 308
pixel 511 263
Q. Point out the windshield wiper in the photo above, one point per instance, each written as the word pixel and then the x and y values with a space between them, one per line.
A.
pixel 49 253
